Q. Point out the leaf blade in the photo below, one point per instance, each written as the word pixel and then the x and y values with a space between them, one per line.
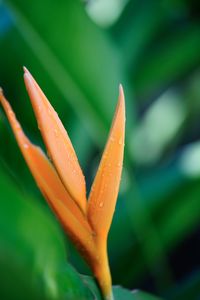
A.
pixel 32 251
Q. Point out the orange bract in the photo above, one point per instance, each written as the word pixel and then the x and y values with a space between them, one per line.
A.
pixel 57 142
pixel 62 182
pixel 105 187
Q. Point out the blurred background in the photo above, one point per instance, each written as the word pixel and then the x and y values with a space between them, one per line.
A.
pixel 79 52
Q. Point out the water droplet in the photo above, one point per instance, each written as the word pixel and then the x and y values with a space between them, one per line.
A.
pixel 39 108
pixel 101 191
pixel 25 146
pixel 112 139
pixel 119 165
pixel 49 112
pixel 105 156
pixel 17 126
pixel 120 141
pixel 101 204
pixel 11 113
pixel 56 132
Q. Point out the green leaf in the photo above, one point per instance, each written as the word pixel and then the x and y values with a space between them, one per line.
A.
pixel 138 25
pixel 188 288
pixel 119 292
pixel 157 215
pixel 124 294
pixel 91 284
pixel 74 53
pixel 175 56
pixel 32 254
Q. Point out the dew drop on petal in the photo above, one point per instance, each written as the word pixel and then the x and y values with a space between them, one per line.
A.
pixel 17 126
pixel 120 141
pixel 101 204
pixel 25 146
pixel 56 132
pixel 11 113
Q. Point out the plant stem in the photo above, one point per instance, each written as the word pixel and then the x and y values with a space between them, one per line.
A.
pixel 101 271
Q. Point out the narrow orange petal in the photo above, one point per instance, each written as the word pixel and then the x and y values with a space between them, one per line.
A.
pixel 105 187
pixel 57 142
pixel 48 181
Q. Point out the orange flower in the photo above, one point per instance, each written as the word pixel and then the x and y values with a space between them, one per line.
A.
pixel 62 182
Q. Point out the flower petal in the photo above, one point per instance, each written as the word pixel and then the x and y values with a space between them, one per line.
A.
pixel 57 142
pixel 48 181
pixel 104 191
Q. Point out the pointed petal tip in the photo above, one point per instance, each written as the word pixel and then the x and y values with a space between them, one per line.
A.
pixel 27 75
pixel 2 97
pixel 31 86
pixel 26 70
pixel 121 92
pixel 121 102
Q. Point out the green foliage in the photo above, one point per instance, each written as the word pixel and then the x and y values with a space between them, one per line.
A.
pixel 120 293
pixel 32 253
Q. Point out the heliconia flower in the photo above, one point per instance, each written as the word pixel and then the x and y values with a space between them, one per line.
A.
pixel 62 182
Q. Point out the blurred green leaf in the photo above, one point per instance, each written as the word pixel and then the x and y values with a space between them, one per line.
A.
pixel 91 284
pixel 119 292
pixel 189 288
pixel 123 294
pixel 157 214
pixel 103 12
pixel 32 254
pixel 159 128
pixel 171 59
pixel 140 22
pixel 71 61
